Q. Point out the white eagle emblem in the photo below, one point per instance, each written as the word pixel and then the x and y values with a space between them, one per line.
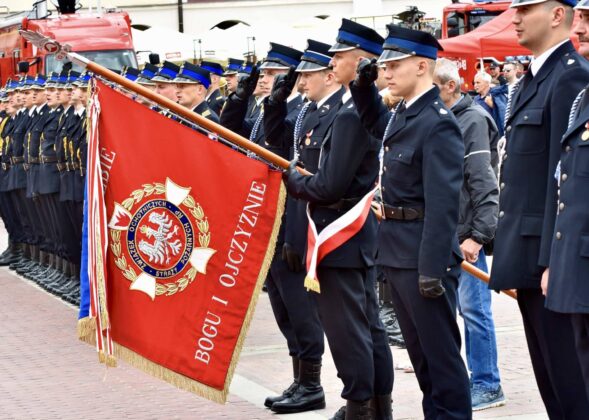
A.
pixel 164 244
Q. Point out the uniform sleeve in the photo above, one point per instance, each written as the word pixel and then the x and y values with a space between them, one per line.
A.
pixel 233 115
pixel 567 87
pixel 349 144
pixel 277 127
pixel 480 179
pixel 373 112
pixel 443 155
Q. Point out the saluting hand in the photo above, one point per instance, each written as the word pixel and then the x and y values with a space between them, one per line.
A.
pixel 246 85
pixel 366 73
pixel 283 86
pixel 430 287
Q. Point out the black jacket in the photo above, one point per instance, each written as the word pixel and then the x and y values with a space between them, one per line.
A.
pixel 479 198
pixel 422 167
pixel 528 198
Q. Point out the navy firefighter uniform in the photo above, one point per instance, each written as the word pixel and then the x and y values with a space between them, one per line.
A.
pixel 527 211
pixel 347 303
pixel 422 174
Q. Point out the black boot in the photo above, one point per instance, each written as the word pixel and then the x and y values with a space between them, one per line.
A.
pixel 359 410
pixel 340 414
pixel 383 409
pixel 291 389
pixel 308 395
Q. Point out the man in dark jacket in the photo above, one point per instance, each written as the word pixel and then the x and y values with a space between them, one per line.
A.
pixel 479 203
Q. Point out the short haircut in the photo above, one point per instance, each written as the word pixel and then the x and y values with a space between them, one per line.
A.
pixel 485 76
pixel 447 70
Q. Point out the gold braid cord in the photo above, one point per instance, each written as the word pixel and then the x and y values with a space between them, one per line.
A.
pixel 204 238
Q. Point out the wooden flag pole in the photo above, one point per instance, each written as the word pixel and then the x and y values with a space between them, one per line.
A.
pixel 54 47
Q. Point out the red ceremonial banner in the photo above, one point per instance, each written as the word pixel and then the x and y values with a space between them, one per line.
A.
pixel 192 226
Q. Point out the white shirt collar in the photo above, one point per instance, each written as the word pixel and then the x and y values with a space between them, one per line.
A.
pixel 325 98
pixel 539 61
pixel 346 96
pixel 416 98
pixel 32 110
pixel 291 97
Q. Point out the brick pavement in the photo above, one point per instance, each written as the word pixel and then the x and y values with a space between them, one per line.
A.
pixel 46 373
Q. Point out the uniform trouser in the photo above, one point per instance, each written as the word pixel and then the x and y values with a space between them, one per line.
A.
pixel 48 210
pixel 10 217
pixel 581 330
pixel 551 345
pixel 295 311
pixel 71 242
pixel 348 309
pixel 26 215
pixel 74 243
pixel 432 338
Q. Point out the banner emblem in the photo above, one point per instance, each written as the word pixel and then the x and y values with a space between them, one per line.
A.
pixel 160 239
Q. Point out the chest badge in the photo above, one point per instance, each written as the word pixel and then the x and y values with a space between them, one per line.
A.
pixel 585 135
pixel 308 139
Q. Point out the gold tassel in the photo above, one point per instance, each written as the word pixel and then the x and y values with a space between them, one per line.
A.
pixel 111 361
pixel 312 284
pixel 101 357
pixel 86 327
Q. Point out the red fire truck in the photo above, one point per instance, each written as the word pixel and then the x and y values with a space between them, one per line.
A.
pixel 460 18
pixel 103 37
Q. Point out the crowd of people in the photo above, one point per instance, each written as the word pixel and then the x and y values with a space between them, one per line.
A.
pixel 454 177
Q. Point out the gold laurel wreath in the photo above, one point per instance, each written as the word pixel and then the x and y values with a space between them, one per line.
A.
pixel 204 238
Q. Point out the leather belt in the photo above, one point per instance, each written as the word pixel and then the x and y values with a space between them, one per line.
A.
pixel 344 204
pixel 402 213
pixel 33 160
pixel 17 159
pixel 48 159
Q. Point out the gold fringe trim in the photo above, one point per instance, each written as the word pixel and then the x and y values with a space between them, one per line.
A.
pixel 111 361
pixel 312 284
pixel 101 357
pixel 259 284
pixel 86 327
pixel 174 378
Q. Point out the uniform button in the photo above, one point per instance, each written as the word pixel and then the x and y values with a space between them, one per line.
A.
pixel 502 185
pixel 501 214
pixel 558 235
pixel 561 206
pixel 384 168
pixel 525 117
pixel 567 149
pixel 386 149
pixel 564 177
pixel 508 129
pixel 382 188
pixel 400 155
pixel 505 157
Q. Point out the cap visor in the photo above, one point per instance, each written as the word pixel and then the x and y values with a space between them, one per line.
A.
pixel 518 3
pixel 161 79
pixel 392 55
pixel 273 65
pixel 184 80
pixel 307 66
pixel 341 47
pixel 230 73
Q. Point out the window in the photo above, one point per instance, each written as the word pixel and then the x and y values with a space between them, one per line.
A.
pixel 113 60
